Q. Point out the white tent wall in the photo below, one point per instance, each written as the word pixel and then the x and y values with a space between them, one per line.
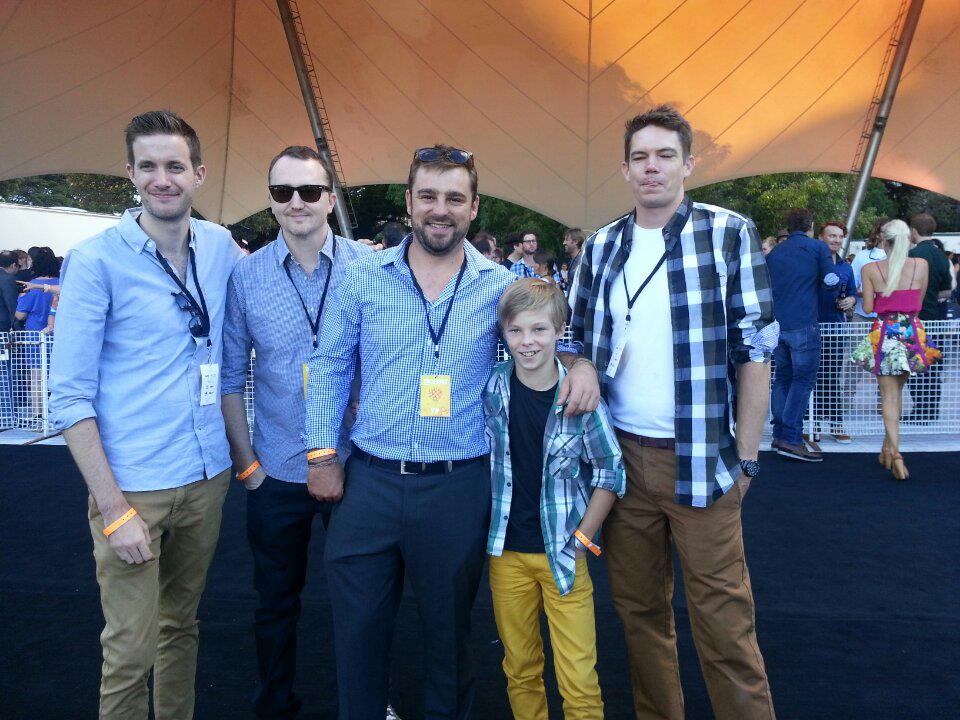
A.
pixel 539 89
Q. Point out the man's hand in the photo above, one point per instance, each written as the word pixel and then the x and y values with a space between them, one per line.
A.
pixel 130 541
pixel 255 479
pixel 744 483
pixel 325 482
pixel 847 303
pixel 580 390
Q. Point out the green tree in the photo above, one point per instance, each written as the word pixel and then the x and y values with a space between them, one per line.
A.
pixel 94 193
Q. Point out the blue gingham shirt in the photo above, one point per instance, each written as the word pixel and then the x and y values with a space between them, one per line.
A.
pixel 378 310
pixel 722 316
pixel 265 314
pixel 565 493
pixel 522 270
pixel 124 355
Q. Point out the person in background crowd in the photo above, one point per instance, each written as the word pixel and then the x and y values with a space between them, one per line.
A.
pixel 513 247
pixel 768 244
pixel 832 395
pixel 525 266
pixel 9 267
pixel 25 257
pixel 564 271
pixel 545 267
pixel 799 266
pixel 925 388
pixel 497 255
pixel 393 234
pixel 135 388
pixel 275 306
pixel 414 503
pixel 573 239
pixel 678 289
pixel 782 235
pixel 485 243
pixel 33 313
pixel 896 347
pixel 872 252
pixel 955 272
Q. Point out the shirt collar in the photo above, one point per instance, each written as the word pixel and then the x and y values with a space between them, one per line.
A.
pixel 136 238
pixel 281 250
pixel 397 256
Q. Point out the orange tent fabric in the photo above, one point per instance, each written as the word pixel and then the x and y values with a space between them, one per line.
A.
pixel 538 89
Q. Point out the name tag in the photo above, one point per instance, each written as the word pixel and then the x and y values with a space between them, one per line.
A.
pixel 616 355
pixel 434 396
pixel 209 383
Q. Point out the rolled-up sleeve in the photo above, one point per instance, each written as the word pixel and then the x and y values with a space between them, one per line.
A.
pixel 81 317
pixel 752 331
pixel 236 339
pixel 602 451
pixel 332 366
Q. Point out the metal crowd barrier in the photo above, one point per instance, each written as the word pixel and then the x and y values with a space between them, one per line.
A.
pixel 845 397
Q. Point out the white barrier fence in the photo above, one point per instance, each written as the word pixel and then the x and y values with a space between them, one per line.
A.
pixel 844 398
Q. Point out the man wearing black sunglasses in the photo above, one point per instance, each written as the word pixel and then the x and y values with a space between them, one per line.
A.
pixel 279 297
pixel 134 386
pixel 416 499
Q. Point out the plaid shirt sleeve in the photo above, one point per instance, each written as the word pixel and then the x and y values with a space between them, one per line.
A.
pixel 601 449
pixel 752 332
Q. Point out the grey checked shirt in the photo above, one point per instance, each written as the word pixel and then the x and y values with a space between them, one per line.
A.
pixel 265 314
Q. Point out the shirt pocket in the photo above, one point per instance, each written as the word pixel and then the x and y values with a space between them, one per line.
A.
pixel 563 456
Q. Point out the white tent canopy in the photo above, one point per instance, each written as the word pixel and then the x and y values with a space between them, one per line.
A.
pixel 539 90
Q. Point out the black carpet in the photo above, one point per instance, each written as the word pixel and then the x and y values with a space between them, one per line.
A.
pixel 856 580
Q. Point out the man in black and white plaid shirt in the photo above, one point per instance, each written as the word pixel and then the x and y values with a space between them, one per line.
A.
pixel 673 305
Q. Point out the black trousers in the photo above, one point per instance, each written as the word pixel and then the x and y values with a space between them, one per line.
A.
pixel 431 529
pixel 279 525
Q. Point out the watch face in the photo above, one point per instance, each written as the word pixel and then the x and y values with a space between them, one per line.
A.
pixel 751 468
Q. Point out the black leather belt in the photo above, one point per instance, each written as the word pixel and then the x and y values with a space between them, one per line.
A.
pixel 406 467
pixel 644 441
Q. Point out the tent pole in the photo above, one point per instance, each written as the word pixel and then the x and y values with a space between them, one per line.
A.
pixel 313 113
pixel 883 113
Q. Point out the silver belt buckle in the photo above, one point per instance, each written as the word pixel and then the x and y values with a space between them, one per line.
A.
pixel 403 468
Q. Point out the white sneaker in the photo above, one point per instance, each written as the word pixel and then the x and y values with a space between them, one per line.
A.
pixel 391 713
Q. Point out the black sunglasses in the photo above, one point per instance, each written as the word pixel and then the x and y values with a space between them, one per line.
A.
pixel 454 155
pixel 198 328
pixel 307 193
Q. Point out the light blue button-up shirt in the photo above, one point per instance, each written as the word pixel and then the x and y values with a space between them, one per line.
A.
pixel 265 314
pixel 124 355
pixel 379 311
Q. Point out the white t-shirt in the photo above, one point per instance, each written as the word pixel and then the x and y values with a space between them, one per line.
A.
pixel 862 258
pixel 641 395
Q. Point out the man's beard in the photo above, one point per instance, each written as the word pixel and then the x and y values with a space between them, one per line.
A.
pixel 169 214
pixel 439 247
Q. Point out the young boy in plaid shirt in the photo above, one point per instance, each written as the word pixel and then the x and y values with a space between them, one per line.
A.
pixel 546 511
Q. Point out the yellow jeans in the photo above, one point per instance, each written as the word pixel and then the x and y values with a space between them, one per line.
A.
pixel 522 586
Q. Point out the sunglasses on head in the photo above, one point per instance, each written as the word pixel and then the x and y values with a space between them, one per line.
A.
pixel 198 328
pixel 454 155
pixel 307 193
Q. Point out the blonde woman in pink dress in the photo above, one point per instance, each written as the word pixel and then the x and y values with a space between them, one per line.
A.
pixel 896 346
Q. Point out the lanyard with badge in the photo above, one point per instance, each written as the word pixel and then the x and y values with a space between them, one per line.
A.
pixel 314 324
pixel 199 325
pixel 617 353
pixel 435 389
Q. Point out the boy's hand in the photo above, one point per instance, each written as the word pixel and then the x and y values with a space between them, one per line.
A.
pixel 580 390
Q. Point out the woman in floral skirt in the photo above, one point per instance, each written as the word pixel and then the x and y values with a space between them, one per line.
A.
pixel 896 346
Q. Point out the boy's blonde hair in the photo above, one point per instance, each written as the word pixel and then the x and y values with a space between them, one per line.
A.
pixel 532 294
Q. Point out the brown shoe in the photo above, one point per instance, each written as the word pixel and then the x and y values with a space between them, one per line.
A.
pixel 799 452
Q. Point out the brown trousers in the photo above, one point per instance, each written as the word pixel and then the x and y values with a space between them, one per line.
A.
pixel 151 609
pixel 637 537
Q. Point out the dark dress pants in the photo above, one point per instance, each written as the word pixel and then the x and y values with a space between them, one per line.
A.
pixel 431 529
pixel 279 524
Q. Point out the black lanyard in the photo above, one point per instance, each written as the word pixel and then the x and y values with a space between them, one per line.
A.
pixel 436 336
pixel 314 324
pixel 632 300
pixel 199 309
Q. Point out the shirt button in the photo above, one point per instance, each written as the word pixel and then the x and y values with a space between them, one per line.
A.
pixel 150 244
pixel 509 484
pixel 506 517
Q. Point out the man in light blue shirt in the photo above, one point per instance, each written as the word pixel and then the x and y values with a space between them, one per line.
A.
pixel 416 500
pixel 134 386
pixel 275 306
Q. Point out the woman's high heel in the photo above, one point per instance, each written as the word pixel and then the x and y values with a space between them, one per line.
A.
pixel 898 468
pixel 885 458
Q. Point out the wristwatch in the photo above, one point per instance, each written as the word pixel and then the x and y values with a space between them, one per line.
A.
pixel 750 468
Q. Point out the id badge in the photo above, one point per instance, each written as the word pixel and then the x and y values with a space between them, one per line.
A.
pixel 434 396
pixel 306 375
pixel 209 383
pixel 616 355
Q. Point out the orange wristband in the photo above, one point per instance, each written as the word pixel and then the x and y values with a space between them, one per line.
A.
pixel 249 471
pixel 318 454
pixel 595 549
pixel 115 525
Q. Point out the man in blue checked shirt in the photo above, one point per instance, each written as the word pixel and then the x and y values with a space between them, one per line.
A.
pixel 416 500
pixel 275 306
pixel 525 266
pixel 681 328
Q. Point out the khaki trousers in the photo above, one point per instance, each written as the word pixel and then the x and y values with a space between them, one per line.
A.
pixel 637 537
pixel 151 609
pixel 523 586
